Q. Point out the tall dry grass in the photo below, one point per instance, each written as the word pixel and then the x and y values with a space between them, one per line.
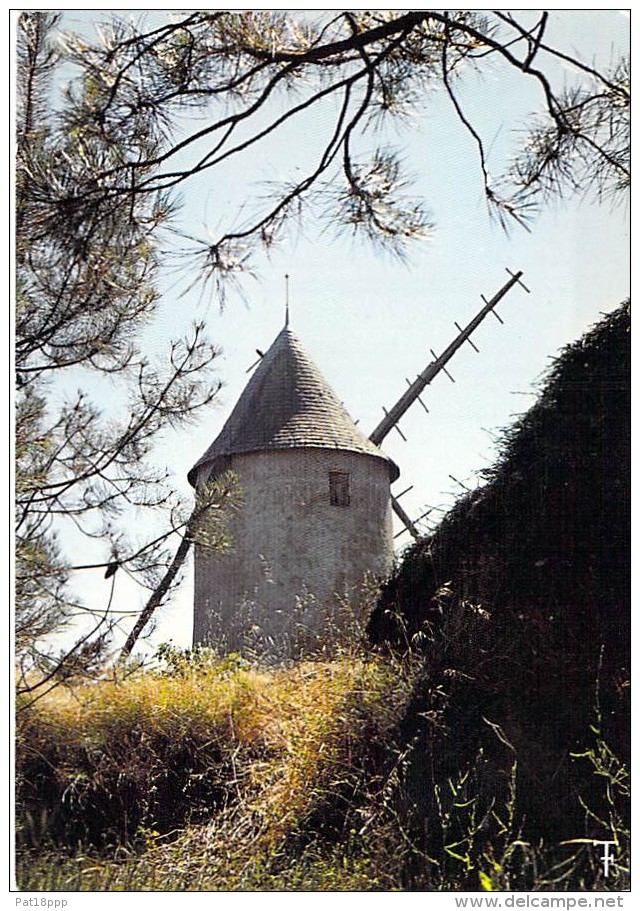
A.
pixel 215 774
pixel 267 754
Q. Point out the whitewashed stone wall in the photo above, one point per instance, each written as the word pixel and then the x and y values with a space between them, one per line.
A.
pixel 296 557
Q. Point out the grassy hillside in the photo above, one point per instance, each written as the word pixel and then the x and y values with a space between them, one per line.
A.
pixel 215 775
pixel 480 743
pixel 209 774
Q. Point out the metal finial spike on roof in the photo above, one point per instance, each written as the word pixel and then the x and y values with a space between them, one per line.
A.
pixel 286 315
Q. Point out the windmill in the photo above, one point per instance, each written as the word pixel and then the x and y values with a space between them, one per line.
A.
pixel 317 512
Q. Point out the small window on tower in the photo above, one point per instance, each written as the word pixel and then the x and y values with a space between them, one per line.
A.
pixel 339 488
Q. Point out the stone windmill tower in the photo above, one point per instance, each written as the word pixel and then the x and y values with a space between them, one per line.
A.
pixel 315 518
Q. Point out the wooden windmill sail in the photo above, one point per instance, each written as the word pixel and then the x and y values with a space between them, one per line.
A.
pixel 438 365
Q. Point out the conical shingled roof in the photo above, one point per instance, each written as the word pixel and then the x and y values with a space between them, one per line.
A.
pixel 288 404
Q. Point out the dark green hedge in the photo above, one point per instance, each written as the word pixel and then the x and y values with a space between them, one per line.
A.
pixel 520 600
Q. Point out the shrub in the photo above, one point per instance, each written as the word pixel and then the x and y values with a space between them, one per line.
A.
pixel 520 599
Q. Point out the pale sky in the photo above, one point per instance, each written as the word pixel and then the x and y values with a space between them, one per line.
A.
pixel 369 322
